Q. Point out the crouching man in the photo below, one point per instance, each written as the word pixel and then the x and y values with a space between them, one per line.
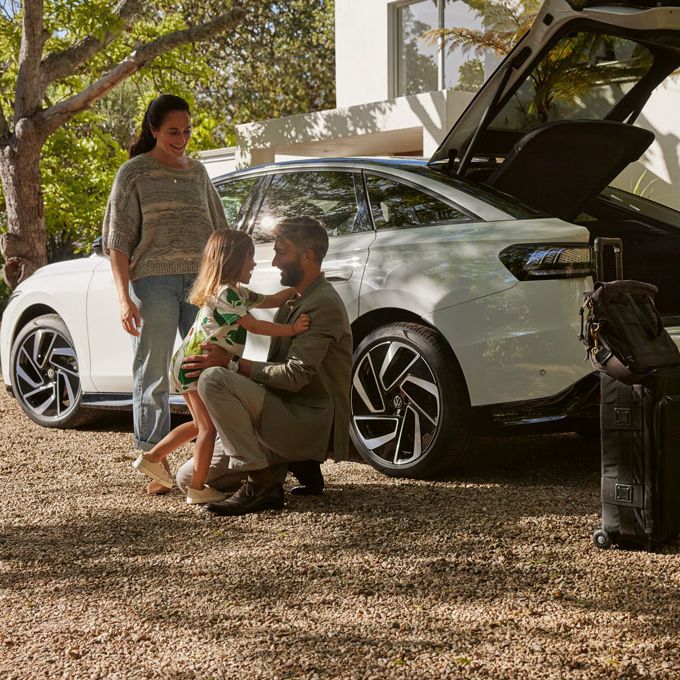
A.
pixel 292 409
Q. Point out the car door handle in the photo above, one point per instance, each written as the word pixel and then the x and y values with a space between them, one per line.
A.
pixel 338 274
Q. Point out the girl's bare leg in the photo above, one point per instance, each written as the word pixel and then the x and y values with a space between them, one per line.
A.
pixel 205 440
pixel 172 441
pixel 177 437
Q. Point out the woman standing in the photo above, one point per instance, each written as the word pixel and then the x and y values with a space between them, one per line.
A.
pixel 161 211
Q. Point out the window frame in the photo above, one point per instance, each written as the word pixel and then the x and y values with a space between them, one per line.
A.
pixel 393 40
pixel 246 206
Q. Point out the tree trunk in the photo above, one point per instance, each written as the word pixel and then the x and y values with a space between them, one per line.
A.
pixel 23 246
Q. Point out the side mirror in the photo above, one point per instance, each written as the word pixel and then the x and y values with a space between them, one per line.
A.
pixel 98 246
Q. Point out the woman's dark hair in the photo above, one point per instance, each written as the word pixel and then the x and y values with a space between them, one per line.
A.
pixel 155 114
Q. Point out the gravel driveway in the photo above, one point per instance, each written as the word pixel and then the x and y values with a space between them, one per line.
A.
pixel 490 575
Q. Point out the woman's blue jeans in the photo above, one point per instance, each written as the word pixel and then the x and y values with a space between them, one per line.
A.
pixel 163 307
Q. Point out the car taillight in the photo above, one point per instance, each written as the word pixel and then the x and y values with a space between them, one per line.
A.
pixel 534 261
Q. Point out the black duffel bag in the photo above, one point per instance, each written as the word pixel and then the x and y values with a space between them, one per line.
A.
pixel 623 332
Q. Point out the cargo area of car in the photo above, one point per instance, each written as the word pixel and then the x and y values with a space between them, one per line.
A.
pixel 651 243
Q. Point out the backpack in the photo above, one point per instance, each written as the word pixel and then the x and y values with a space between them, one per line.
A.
pixel 623 332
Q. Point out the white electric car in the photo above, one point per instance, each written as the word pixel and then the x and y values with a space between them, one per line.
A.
pixel 462 276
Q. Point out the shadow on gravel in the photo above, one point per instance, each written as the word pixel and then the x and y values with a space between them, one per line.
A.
pixel 412 543
pixel 404 558
pixel 564 458
pixel 121 421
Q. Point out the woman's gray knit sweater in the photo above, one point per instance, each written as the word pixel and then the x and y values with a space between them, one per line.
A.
pixel 161 217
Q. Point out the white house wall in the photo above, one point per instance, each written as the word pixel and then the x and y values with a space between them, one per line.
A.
pixel 404 125
pixel 362 51
pixel 657 174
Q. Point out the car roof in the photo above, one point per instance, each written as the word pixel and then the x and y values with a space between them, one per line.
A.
pixel 412 164
pixel 480 200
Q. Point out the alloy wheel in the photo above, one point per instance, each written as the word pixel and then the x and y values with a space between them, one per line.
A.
pixel 46 375
pixel 396 403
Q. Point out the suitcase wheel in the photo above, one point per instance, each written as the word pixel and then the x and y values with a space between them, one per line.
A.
pixel 602 539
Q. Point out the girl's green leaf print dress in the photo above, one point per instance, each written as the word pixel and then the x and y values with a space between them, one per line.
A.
pixel 217 323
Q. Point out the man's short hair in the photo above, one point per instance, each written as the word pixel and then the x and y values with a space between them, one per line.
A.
pixel 304 232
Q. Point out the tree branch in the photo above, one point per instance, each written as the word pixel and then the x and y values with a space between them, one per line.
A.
pixel 10 10
pixel 60 64
pixel 50 119
pixel 28 95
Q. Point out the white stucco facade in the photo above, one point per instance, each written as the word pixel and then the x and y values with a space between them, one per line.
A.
pixel 218 161
pixel 411 126
pixel 369 119
pixel 363 56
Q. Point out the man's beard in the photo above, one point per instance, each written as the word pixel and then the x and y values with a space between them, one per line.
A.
pixel 291 274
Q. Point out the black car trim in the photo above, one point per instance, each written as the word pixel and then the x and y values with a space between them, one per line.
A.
pixel 579 5
pixel 123 401
pixel 575 407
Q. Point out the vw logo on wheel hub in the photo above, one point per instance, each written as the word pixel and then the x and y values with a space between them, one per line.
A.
pixel 397 402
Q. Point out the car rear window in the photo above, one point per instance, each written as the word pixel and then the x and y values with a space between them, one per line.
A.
pixel 504 202
pixel 396 205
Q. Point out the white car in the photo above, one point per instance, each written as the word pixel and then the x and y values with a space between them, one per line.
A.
pixel 462 276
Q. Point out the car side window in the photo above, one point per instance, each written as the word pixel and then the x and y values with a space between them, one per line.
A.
pixel 335 198
pixel 396 205
pixel 234 195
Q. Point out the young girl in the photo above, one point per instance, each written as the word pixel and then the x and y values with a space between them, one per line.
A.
pixel 223 319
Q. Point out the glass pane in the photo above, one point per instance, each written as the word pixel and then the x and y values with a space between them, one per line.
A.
pixel 416 60
pixel 583 76
pixel 233 196
pixel 398 206
pixel 656 175
pixel 333 198
pixel 465 68
pixel 506 203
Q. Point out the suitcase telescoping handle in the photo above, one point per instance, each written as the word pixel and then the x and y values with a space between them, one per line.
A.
pixel 602 242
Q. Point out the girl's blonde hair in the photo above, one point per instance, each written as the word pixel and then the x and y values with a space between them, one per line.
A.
pixel 223 258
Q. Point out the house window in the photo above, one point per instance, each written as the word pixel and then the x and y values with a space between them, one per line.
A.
pixel 419 65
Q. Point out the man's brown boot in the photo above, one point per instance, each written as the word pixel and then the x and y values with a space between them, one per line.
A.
pixel 251 497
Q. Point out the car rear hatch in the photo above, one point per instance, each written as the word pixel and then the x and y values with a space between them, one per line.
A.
pixel 578 80
pixel 480 126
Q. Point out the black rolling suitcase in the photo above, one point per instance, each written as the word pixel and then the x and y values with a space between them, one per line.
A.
pixel 640 434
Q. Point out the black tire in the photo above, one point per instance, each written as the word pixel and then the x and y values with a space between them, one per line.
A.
pixel 602 539
pixel 425 392
pixel 44 374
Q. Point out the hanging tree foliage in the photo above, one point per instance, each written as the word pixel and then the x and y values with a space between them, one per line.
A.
pixel 57 58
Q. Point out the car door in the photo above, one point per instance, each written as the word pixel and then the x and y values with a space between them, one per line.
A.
pixel 336 198
pixel 110 346
pixel 419 253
